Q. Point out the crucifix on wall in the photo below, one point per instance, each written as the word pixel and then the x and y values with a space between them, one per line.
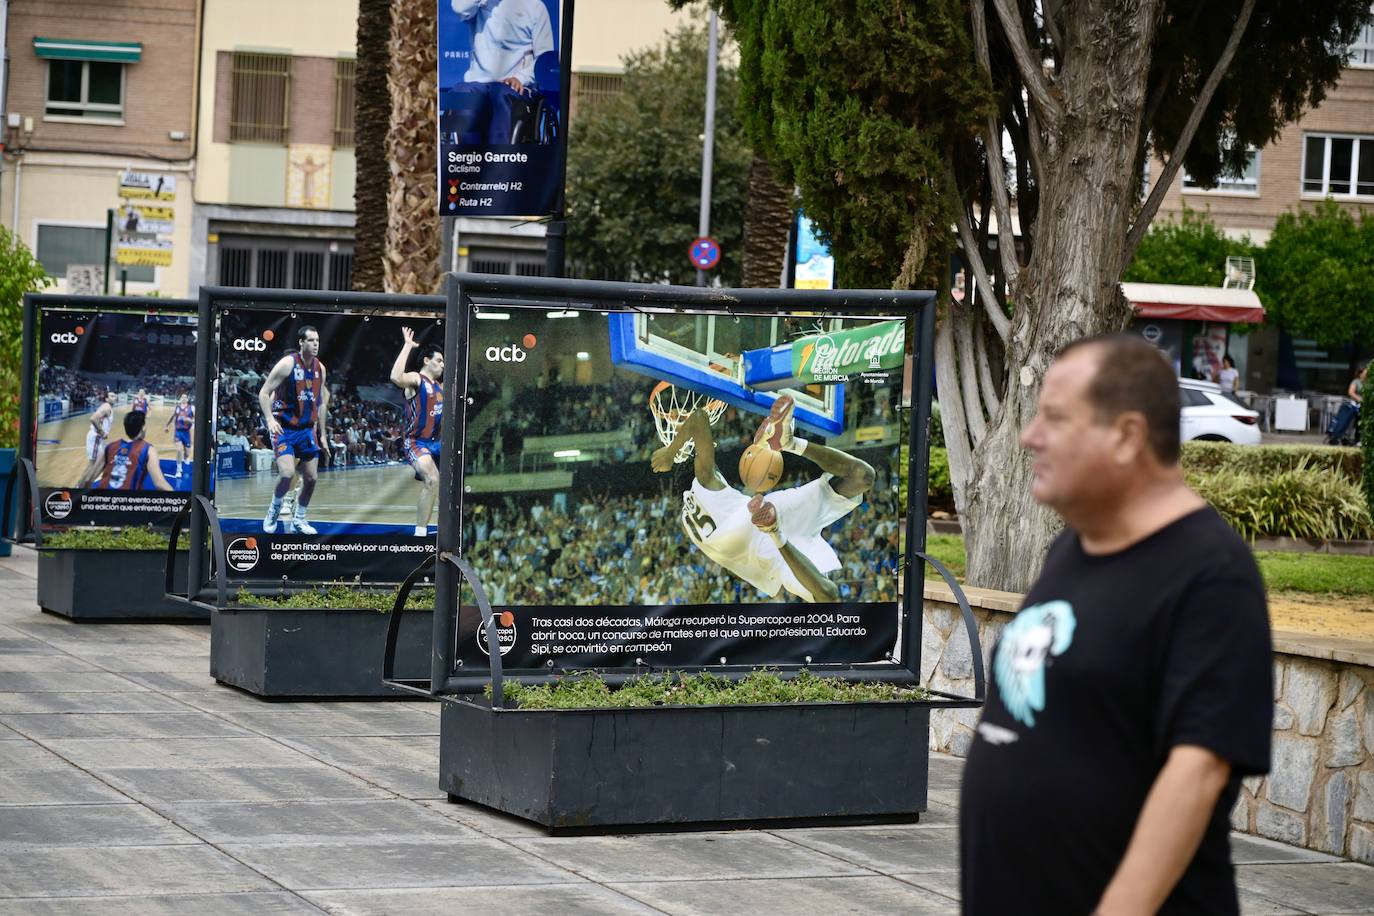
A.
pixel 308 175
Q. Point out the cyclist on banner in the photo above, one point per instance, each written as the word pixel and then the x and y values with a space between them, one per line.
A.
pixel 424 415
pixel 295 403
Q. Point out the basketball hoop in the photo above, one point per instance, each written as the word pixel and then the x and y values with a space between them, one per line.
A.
pixel 671 407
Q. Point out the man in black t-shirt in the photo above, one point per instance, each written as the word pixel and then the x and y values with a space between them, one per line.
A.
pixel 1133 689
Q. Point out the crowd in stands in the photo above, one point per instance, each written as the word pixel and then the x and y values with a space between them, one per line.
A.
pixel 631 550
pixel 360 431
pixel 83 392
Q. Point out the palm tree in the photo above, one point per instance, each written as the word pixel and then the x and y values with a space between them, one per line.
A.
pixel 767 222
pixel 371 116
pixel 412 219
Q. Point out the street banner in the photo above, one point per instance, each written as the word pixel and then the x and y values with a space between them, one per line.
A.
pixel 501 121
pixel 815 265
pixel 143 251
pixel 329 470
pixel 836 355
pixel 147 186
pixel 114 417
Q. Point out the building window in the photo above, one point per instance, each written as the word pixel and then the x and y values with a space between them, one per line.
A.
pixel 62 246
pixel 1247 183
pixel 1362 49
pixel 285 263
pixel 590 89
pixel 85 89
pixel 261 108
pixel 1338 165
pixel 345 74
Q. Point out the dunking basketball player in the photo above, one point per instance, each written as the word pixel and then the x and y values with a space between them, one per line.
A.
pixel 774 541
pixel 424 413
pixel 184 416
pixel 101 421
pixel 131 462
pixel 295 402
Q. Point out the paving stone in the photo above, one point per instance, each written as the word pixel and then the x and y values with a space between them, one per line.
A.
pixel 1341 887
pixel 67 786
pixel 666 857
pixel 148 662
pixel 23 645
pixel 81 825
pixel 67 682
pixel 185 682
pixel 124 870
pixel 485 820
pixel 455 863
pixel 88 702
pixel 376 721
pixel 177 753
pixel 886 849
pixel 26 755
pixel 1253 850
pixel 876 894
pixel 406 765
pixel 241 904
pixel 542 900
pixel 33 662
pixel 131 726
pixel 1256 905
pixel 239 784
pixel 315 822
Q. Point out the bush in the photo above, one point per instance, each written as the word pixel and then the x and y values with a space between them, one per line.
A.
pixel 132 538
pixel 589 691
pixel 938 487
pixel 20 273
pixel 1265 460
pixel 1367 450
pixel 1303 502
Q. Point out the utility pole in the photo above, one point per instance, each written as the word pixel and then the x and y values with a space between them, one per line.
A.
pixel 708 138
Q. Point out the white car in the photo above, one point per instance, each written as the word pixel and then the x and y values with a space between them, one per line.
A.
pixel 1211 416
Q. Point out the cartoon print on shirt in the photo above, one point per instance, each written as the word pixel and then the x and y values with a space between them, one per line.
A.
pixel 1037 632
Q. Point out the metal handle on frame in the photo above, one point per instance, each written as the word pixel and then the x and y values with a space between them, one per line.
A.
pixel 393 627
pixel 970 627
pixel 216 538
pixel 23 468
pixel 498 694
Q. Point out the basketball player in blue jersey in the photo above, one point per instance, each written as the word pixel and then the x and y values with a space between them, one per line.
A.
pixel 140 404
pixel 130 463
pixel 184 416
pixel 295 402
pixel 424 415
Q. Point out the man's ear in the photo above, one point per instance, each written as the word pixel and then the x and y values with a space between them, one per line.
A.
pixel 1132 436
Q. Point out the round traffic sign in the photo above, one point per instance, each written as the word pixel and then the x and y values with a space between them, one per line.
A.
pixel 704 253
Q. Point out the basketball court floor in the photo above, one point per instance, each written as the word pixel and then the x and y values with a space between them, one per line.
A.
pixel 367 495
pixel 61 445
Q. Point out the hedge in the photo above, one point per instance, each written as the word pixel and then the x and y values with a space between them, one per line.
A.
pixel 1210 457
pixel 1303 502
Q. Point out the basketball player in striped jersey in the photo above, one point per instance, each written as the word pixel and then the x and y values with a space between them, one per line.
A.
pixel 184 417
pixel 773 542
pixel 424 415
pixel 101 421
pixel 295 402
pixel 130 463
pixel 140 403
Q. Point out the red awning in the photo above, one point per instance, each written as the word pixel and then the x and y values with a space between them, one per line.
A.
pixel 1194 303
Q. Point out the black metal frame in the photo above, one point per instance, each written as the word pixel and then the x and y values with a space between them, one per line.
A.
pixel 200 588
pixel 28 394
pixel 461 289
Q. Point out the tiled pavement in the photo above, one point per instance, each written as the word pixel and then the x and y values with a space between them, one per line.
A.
pixel 131 783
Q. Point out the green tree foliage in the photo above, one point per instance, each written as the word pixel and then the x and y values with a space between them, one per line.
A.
pixel 20 273
pixel 1316 275
pixel 634 168
pixel 1191 252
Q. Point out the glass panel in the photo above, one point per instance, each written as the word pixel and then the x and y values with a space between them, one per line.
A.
pixel 105 83
pixel 1342 153
pixel 1365 169
pixel 64 81
pixel 59 246
pixel 1315 151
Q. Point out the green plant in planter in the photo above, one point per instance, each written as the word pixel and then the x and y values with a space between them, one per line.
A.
pixel 133 538
pixel 339 596
pixel 588 691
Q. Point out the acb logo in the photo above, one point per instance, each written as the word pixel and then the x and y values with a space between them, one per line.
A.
pixel 252 343
pixel 512 353
pixel 66 338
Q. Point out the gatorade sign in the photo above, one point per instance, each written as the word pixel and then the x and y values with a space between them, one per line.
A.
pixel 833 357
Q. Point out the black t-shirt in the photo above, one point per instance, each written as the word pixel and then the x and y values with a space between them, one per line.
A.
pixel 1112 661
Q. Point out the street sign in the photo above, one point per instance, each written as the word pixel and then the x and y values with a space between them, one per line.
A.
pixel 704 253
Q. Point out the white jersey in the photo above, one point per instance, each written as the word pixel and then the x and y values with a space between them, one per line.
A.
pixel 97 434
pixel 718 523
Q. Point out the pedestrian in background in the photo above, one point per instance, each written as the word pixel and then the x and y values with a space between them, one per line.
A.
pixel 1133 690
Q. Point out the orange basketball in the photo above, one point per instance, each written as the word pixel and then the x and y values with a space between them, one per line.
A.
pixel 506 619
pixel 760 468
pixel 268 335
pixel 529 341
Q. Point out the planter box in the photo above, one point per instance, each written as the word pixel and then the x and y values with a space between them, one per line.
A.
pixel 124 586
pixel 315 653
pixel 669 767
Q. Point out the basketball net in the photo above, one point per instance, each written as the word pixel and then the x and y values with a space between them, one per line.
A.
pixel 671 406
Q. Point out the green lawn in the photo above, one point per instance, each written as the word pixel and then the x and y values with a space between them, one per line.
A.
pixel 1312 573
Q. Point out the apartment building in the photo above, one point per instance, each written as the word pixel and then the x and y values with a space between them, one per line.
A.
pixel 275 163
pixel 96 91
pixel 1328 152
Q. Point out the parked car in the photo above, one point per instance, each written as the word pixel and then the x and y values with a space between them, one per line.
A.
pixel 1213 417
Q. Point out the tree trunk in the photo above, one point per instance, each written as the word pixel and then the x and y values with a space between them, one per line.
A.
pixel 371 115
pixel 1071 286
pixel 767 219
pixel 413 225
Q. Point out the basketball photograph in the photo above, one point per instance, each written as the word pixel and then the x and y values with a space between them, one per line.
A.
pixel 629 459
pixel 114 401
pixel 328 423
